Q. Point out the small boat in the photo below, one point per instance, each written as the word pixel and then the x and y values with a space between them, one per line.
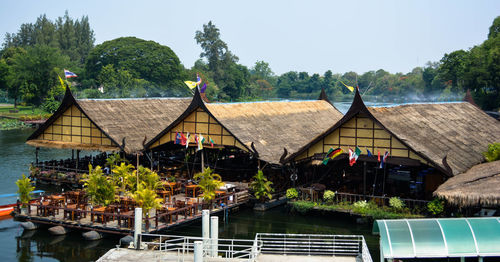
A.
pixel 5 210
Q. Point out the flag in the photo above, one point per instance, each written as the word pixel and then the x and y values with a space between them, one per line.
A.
pixel 177 138
pixel 190 84
pixel 183 139
pixel 200 142
pixel 187 140
pixel 348 87
pixel 368 152
pixel 331 154
pixel 384 159
pixel 378 159
pixel 69 74
pixel 353 155
pixel 62 83
pixel 211 141
pixel 203 88
pixel 198 80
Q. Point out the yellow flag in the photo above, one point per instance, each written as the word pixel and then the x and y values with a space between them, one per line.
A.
pixel 348 87
pixel 62 82
pixel 190 84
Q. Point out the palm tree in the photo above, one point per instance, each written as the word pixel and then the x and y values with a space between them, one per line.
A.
pixel 24 189
pixel 209 182
pixel 99 187
pixel 121 176
pixel 261 186
pixel 147 199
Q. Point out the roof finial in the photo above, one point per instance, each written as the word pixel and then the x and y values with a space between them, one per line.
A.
pixel 323 96
pixel 468 98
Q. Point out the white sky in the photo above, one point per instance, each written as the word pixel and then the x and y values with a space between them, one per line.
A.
pixel 312 36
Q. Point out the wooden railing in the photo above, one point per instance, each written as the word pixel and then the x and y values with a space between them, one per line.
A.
pixel 380 200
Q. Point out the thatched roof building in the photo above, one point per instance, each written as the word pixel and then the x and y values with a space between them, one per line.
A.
pixel 269 126
pixel 448 136
pixel 107 124
pixel 478 186
pixel 460 132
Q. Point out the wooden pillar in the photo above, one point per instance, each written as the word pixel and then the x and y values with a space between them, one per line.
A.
pixel 364 179
pixel 77 158
pixel 36 155
pixel 72 154
pixel 202 161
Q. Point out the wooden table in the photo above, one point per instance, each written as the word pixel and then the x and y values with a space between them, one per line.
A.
pixel 169 209
pixel 129 219
pixel 73 207
pixel 193 188
pixel 164 194
pixel 100 210
pixel 56 199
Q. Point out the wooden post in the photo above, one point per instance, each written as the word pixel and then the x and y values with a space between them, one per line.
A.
pixel 364 179
pixel 77 158
pixel 137 171
pixel 36 155
pixel 202 161
pixel 72 154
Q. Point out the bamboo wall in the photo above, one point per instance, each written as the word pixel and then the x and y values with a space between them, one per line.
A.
pixel 73 126
pixel 200 122
pixel 363 132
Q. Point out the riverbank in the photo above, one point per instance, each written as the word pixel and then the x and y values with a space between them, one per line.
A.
pixel 12 118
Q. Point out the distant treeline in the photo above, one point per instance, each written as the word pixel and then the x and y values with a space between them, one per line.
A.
pixel 32 58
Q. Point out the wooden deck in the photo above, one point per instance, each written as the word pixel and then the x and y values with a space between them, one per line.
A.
pixel 123 222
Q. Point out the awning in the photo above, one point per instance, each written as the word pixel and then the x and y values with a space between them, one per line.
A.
pixel 443 237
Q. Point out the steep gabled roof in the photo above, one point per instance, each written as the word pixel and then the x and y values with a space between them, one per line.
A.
pixel 270 126
pixel 126 122
pixel 458 131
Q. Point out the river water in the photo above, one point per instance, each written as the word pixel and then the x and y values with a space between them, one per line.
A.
pixel 39 245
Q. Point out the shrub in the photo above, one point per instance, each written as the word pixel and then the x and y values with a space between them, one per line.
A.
pixel 261 186
pixel 436 206
pixel 24 189
pixel 493 153
pixel 292 193
pixel 303 206
pixel 360 206
pixel 328 196
pixel 396 203
pixel 208 182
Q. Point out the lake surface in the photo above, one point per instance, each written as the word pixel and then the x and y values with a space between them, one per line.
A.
pixel 39 245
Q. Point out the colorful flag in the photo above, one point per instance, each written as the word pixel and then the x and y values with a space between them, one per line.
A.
pixel 203 88
pixel 378 159
pixel 187 140
pixel 69 74
pixel 183 139
pixel 384 159
pixel 368 152
pixel 177 138
pixel 211 141
pixel 348 87
pixel 62 83
pixel 198 80
pixel 331 154
pixel 199 141
pixel 190 84
pixel 353 155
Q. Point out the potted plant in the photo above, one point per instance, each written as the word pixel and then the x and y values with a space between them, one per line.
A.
pixel 99 187
pixel 292 194
pixel 24 189
pixel 208 182
pixel 261 187
pixel 147 199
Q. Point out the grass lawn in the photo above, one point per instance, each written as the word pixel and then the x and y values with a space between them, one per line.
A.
pixel 23 111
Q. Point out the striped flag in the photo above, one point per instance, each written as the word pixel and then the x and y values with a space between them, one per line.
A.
pixel 353 155
pixel 69 74
pixel 211 141
pixel 331 154
pixel 384 159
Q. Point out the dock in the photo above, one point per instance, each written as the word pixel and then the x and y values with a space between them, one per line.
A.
pixel 122 222
pixel 266 247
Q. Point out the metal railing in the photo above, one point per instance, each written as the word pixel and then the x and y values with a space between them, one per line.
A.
pixel 314 245
pixel 183 246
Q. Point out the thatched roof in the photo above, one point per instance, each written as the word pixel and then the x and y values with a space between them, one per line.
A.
pixel 136 120
pixel 458 131
pixel 128 123
pixel 270 126
pixel 478 186
pixel 273 126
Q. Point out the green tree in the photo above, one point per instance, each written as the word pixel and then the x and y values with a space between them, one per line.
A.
pixel 452 68
pixel 261 187
pixel 142 59
pixel 493 153
pixel 24 189
pixel 99 187
pixel 214 49
pixel 209 182
pixel 261 70
pixel 35 72
pixel 494 28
